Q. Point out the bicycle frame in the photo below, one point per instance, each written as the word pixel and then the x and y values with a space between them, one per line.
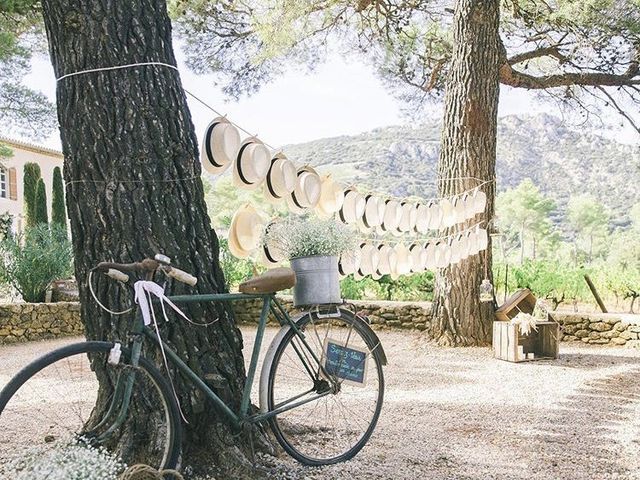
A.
pixel 269 305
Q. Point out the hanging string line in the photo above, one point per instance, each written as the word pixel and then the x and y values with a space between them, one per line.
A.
pixel 119 181
pixel 239 127
pixel 421 239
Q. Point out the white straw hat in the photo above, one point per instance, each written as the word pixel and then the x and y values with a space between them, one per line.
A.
pixel 392 215
pixel 435 215
pixel 270 253
pixel 373 211
pixel 467 201
pixel 459 209
pixel 479 200
pixel 430 256
pixel 443 254
pixel 386 259
pixel 403 264
pixel 423 218
pixel 349 262
pixel 418 257
pixel 448 214
pixel 245 231
pixel 306 193
pixel 331 197
pixel 252 164
pixel 281 178
pixel 368 259
pixel 409 216
pixel 482 239
pixel 454 245
pixel 352 206
pixel 220 146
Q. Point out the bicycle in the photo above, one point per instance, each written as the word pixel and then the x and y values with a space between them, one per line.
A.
pixel 321 385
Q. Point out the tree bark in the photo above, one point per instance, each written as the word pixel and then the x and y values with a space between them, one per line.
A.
pixel 469 150
pixel 133 189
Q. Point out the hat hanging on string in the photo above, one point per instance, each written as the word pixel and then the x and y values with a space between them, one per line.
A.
pixel 220 146
pixel 280 179
pixel 331 197
pixel 245 231
pixel 353 206
pixel 306 193
pixel 252 164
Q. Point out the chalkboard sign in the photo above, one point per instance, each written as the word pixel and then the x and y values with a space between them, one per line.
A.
pixel 346 362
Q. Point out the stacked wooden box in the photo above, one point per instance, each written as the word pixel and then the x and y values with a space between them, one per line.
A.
pixel 507 339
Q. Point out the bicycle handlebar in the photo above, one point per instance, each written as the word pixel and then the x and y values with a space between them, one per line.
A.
pixel 148 265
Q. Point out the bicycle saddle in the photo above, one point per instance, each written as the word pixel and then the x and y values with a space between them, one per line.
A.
pixel 270 281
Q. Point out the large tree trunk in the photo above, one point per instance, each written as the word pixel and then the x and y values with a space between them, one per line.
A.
pixel 469 150
pixel 134 189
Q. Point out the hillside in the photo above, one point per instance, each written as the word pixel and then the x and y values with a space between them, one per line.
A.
pixel 560 160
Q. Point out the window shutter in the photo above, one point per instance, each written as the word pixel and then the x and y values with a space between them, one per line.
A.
pixel 13 184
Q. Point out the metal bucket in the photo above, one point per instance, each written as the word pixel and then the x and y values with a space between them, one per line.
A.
pixel 317 280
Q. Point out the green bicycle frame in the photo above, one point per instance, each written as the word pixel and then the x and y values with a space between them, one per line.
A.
pixel 270 304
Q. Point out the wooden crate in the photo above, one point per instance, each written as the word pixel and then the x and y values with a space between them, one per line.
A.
pixel 544 344
pixel 521 301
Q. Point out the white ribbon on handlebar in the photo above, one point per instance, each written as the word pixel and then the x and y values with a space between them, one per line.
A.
pixel 143 291
pixel 143 296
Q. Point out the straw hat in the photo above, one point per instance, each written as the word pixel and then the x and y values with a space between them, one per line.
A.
pixel 386 259
pixel 430 255
pixel 281 178
pixel 418 257
pixel 482 238
pixel 245 231
pixel 423 218
pixel 306 193
pixel 391 216
pixel 459 210
pixel 331 197
pixel 435 215
pixel 270 254
pixel 448 213
pixel 403 265
pixel 252 164
pixel 479 200
pixel 368 259
pixel 352 206
pixel 373 211
pixel 443 254
pixel 456 253
pixel 349 262
pixel 409 217
pixel 220 146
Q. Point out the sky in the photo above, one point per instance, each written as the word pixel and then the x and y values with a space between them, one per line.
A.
pixel 338 98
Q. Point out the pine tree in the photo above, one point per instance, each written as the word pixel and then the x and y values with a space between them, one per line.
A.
pixel 58 216
pixel 31 177
pixel 40 210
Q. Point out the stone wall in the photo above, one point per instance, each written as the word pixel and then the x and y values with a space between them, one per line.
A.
pixel 21 322
pixel 407 315
pixel 601 328
pixel 34 321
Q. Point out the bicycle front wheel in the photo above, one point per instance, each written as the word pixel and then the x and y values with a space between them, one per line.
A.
pixel 343 392
pixel 74 395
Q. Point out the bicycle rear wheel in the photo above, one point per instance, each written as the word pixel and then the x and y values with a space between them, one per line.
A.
pixel 70 396
pixel 345 400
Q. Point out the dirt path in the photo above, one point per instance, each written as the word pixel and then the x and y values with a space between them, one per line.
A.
pixel 460 414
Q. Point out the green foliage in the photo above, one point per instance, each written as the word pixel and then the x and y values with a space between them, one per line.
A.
pixel 31 177
pixel 236 270
pixel 40 212
pixel 58 213
pixel 32 261
pixel 550 280
pixel 417 287
pixel 6 221
pixel 589 219
pixel 22 109
pixel 523 213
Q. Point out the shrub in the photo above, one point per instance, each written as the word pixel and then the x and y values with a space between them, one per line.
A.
pixel 31 177
pixel 236 270
pixel 58 216
pixel 75 461
pixel 32 261
pixel 40 212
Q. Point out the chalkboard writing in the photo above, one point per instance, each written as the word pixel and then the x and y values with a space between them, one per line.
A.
pixel 348 363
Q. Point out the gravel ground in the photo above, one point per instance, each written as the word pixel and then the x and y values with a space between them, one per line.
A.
pixel 460 414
